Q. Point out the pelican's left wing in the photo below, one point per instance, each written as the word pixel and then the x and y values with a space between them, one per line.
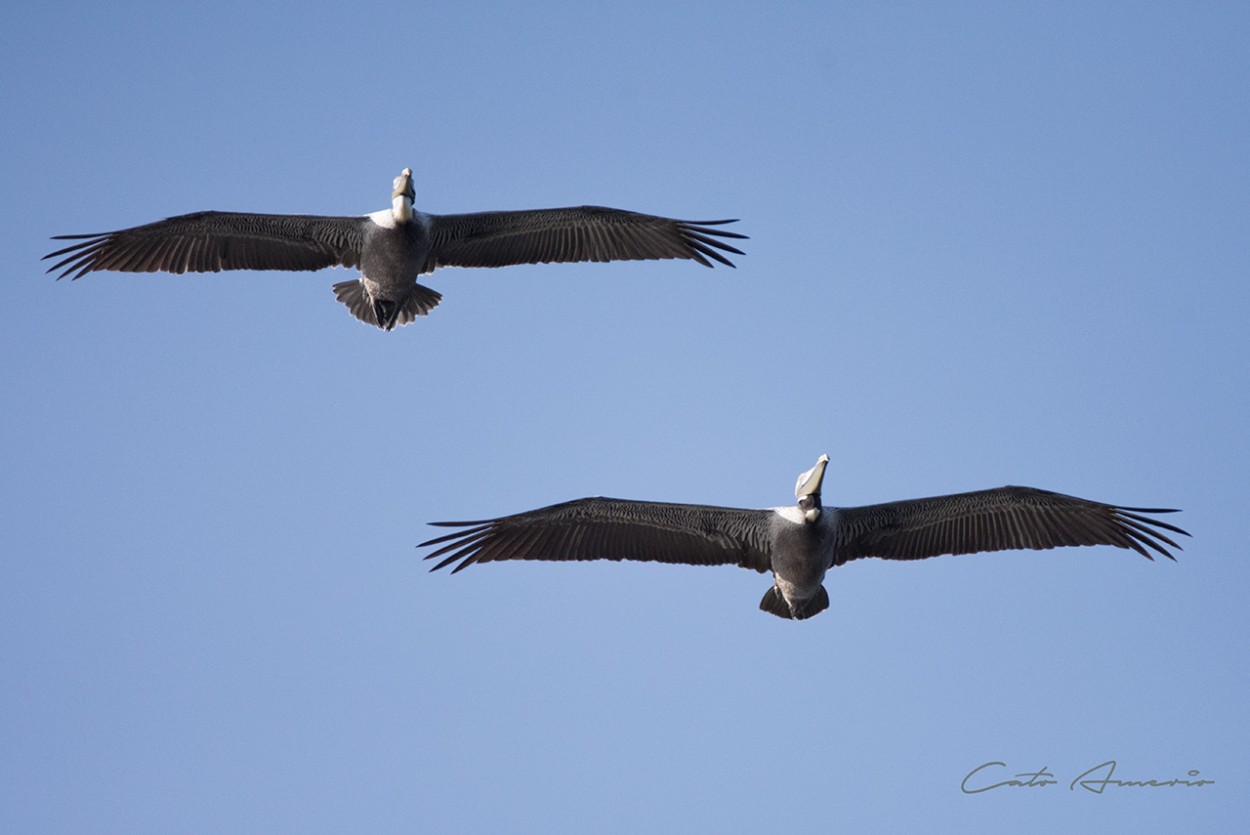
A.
pixel 581 233
pixel 1002 519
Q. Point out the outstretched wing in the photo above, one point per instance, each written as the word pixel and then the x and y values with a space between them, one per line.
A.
pixel 214 241
pixel 582 233
pixel 995 520
pixel 612 529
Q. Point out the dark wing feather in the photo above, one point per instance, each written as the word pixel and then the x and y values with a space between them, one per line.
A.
pixel 582 233
pixel 214 241
pixel 995 520
pixel 612 529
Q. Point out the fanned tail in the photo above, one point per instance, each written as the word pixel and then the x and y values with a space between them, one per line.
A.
pixel 386 314
pixel 775 604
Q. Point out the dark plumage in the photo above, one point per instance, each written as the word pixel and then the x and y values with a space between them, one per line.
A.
pixel 391 247
pixel 799 543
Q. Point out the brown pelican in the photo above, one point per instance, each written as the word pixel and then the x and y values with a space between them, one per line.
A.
pixel 798 544
pixel 391 247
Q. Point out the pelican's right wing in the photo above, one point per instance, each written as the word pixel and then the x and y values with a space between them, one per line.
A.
pixel 613 529
pixel 204 242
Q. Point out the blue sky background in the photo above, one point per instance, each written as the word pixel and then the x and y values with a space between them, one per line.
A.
pixel 990 243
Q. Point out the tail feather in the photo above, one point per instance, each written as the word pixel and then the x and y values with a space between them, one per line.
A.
pixel 383 313
pixel 775 604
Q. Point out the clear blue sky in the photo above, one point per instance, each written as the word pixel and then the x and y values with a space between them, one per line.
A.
pixel 990 243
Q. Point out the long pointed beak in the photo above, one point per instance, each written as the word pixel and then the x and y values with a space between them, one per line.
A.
pixel 404 186
pixel 809 482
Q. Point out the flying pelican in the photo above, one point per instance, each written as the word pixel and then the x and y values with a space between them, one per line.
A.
pixel 391 247
pixel 798 544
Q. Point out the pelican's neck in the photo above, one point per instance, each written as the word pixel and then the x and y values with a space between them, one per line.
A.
pixel 810 507
pixel 401 208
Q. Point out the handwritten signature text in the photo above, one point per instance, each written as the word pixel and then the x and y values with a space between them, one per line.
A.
pixel 989 776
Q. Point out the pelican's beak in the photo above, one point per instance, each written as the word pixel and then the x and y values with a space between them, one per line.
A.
pixel 809 482
pixel 404 186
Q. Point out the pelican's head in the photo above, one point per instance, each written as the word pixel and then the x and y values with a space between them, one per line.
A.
pixel 402 195
pixel 403 186
pixel 807 490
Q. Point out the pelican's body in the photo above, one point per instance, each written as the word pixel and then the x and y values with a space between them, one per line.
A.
pixel 391 248
pixel 799 543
